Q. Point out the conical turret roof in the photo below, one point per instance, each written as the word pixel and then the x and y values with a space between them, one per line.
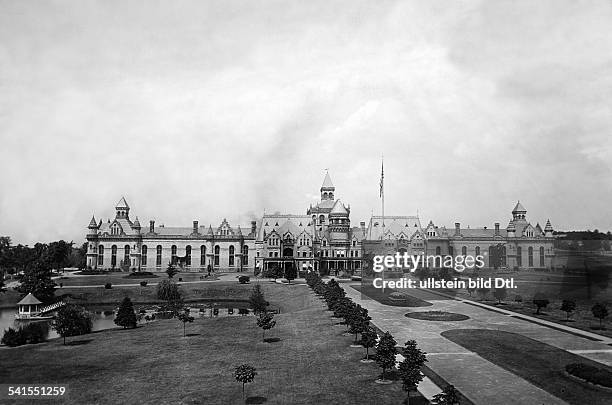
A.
pixel 122 203
pixel 29 300
pixel 338 209
pixel 548 226
pixel 511 226
pixel 519 207
pixel 92 223
pixel 327 183
pixel 136 223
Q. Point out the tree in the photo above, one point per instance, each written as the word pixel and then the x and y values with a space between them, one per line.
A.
pixel 58 254
pixel 368 339
pixel 600 312
pixel 540 301
pixel 37 280
pixel 2 285
pixel 409 369
pixel 245 373
pixel 171 270
pixel 168 290
pixel 483 293
pixel 358 321
pixel 185 318
pixel 257 300
pixel 470 290
pixel 448 396
pixel 290 273
pixel 385 353
pixel 126 316
pixel 72 320
pixel 568 306
pixel 265 321
pixel 500 294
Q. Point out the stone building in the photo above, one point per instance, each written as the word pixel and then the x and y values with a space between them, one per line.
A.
pixel 122 243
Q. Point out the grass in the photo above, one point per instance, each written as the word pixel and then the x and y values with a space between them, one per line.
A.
pixel 539 363
pixel 437 316
pixel 124 278
pixel 310 363
pixel 367 290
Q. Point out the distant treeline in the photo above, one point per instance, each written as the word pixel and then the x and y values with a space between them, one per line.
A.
pixel 583 240
pixel 54 255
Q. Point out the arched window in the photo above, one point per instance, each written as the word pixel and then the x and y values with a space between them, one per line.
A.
pixel 519 256
pixel 438 251
pixel 530 256
pixel 503 256
pixel 464 251
pixel 126 255
pixel 542 256
pixel 217 251
pixel 231 255
pixel 245 255
pixel 202 255
pixel 451 251
pixel 143 256
pixel 477 250
pixel 188 255
pixel 100 255
pixel 321 219
pixel 113 255
pixel 158 257
pixel 173 258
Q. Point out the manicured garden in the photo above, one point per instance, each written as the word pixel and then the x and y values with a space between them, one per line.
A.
pixel 539 363
pixel 390 296
pixel 307 362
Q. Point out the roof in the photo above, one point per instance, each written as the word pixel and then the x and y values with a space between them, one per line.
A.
pixel 327 183
pixel 92 223
pixel 283 223
pixel 122 203
pixel 29 300
pixel 136 223
pixel 519 208
pixel 396 225
pixel 339 208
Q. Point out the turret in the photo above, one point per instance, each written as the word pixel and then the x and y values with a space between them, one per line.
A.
pixel 548 229
pixel 519 212
pixel 122 209
pixel 136 226
pixel 327 188
pixel 339 222
pixel 93 227
pixel 511 229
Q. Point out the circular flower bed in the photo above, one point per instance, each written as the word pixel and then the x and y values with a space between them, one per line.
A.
pixel 437 316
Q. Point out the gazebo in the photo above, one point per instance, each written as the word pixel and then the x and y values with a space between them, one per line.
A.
pixel 29 307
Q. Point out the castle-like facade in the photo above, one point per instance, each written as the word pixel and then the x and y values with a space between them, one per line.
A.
pixel 322 240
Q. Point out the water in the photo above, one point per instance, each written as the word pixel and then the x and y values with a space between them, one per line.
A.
pixel 103 316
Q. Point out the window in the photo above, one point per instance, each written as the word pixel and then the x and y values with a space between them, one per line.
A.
pixel 503 256
pixel 477 250
pixel 542 256
pixel 188 255
pixel 245 255
pixel 464 251
pixel 113 255
pixel 231 255
pixel 519 258
pixel 451 251
pixel 202 255
pixel 101 255
pixel 530 256
pixel 217 250
pixel 126 255
pixel 159 255
pixel 438 251
pixel 321 219
pixel 143 259
pixel 173 258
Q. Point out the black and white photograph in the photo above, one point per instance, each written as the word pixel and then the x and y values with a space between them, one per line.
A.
pixel 306 202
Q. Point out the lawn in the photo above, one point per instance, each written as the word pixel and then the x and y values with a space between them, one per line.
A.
pixel 539 363
pixel 312 362
pixel 412 297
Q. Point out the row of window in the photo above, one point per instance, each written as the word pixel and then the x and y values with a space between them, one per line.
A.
pixel 173 255
pixel 502 255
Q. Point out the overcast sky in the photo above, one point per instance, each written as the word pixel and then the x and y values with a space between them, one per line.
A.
pixel 210 109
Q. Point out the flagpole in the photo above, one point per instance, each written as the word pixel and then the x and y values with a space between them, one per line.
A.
pixel 382 194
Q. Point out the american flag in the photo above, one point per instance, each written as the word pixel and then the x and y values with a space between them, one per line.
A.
pixel 382 177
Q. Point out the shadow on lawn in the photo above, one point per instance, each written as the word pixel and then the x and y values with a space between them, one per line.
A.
pixel 192 334
pixel 272 340
pixel 256 400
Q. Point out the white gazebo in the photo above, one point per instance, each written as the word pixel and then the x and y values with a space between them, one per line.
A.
pixel 29 307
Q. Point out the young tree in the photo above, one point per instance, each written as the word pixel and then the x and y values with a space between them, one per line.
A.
pixel 290 273
pixel 171 270
pixel 37 280
pixel 500 294
pixel 245 373
pixel 568 306
pixel 385 353
pixel 265 321
pixel 470 290
pixel 126 316
pixel 409 369
pixel 483 293
pixel 368 339
pixel 448 396
pixel 600 312
pixel 72 320
pixel 358 321
pixel 185 318
pixel 540 301
pixel 257 300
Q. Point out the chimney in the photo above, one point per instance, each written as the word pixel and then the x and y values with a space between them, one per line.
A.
pixel 362 226
pixel 152 226
pixel 253 227
pixel 497 229
pixel 457 229
pixel 195 226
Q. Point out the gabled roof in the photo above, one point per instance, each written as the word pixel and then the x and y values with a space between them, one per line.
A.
pixel 296 224
pixel 519 208
pixel 339 208
pixel 29 300
pixel 122 204
pixel 136 223
pixel 394 225
pixel 327 183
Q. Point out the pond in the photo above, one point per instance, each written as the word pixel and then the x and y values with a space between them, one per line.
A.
pixel 103 316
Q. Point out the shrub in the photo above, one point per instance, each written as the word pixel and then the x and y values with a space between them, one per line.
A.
pixel 14 337
pixel 35 332
pixel 108 286
pixel 540 302
pixel 568 306
pixel 168 290
pixel 143 283
pixel 126 316
pixel 244 279
pixel 72 320
pixel 600 311
pixel 590 373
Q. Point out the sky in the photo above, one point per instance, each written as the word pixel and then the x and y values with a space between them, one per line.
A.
pixel 204 110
